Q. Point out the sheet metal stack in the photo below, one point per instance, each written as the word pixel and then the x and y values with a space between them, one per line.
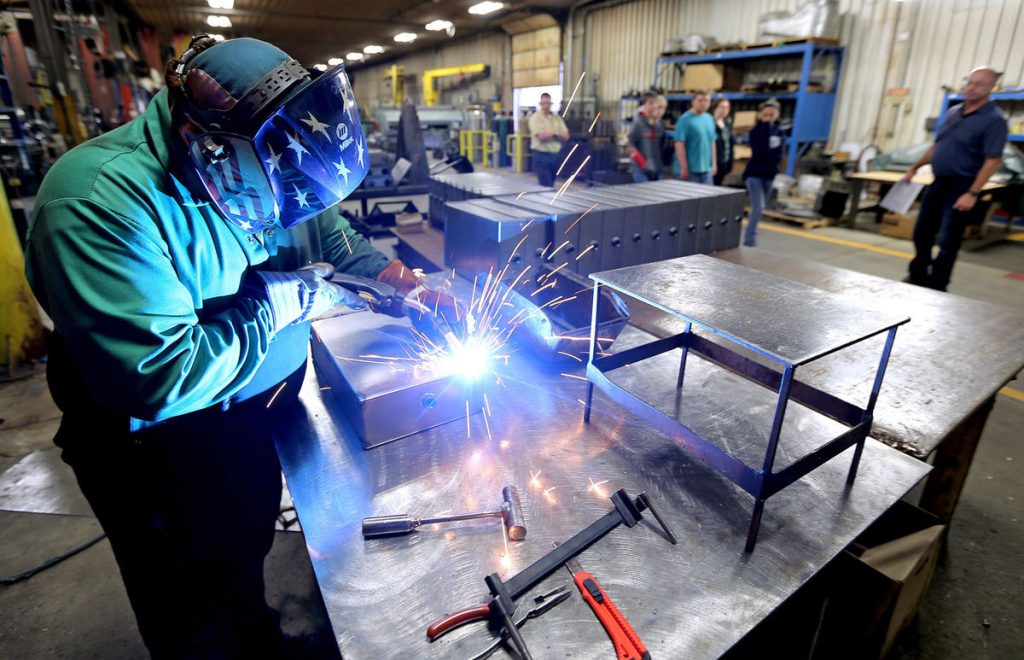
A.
pixel 454 187
pixel 623 226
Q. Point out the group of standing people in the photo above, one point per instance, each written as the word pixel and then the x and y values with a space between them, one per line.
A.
pixel 704 147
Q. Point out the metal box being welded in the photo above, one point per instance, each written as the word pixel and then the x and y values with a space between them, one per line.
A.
pixel 364 358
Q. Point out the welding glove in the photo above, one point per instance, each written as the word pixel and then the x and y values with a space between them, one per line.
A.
pixel 639 159
pixel 302 294
pixel 424 306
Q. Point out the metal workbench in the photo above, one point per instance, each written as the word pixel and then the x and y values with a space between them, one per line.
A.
pixel 693 600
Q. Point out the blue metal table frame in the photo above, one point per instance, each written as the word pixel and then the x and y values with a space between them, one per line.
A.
pixel 679 282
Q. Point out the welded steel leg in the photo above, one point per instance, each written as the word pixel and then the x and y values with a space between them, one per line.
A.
pixel 755 525
pixel 856 462
pixel 869 410
pixel 593 353
pixel 686 349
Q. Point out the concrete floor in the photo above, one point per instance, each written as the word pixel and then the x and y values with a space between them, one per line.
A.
pixel 79 609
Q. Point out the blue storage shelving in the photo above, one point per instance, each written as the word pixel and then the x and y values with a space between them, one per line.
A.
pixel 812 113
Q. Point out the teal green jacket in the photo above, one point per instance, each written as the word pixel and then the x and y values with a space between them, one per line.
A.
pixel 142 280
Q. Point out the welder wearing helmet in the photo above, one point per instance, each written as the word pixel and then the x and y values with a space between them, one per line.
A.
pixel 181 257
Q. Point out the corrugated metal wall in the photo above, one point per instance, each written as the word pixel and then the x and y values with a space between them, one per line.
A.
pixel 491 48
pixel 920 44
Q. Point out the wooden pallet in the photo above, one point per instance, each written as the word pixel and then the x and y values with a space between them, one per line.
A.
pixel 805 223
pixel 756 44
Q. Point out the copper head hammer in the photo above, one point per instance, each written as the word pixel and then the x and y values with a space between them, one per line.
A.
pixel 510 511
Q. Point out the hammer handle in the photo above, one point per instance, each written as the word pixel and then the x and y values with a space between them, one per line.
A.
pixel 456 619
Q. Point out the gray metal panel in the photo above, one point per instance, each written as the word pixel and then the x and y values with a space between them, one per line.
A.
pixel 481 234
pixel 692 600
pixel 806 323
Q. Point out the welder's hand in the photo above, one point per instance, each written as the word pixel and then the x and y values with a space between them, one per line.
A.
pixel 434 311
pixel 401 277
pixel 303 294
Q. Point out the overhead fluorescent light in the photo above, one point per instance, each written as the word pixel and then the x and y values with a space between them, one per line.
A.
pixel 320 67
pixel 373 50
pixel 405 37
pixel 334 61
pixel 221 4
pixel 355 57
pixel 217 37
pixel 438 25
pixel 482 8
pixel 218 21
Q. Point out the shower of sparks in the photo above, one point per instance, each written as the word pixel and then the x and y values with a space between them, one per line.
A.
pixel 575 222
pixel 504 444
pixel 573 95
pixel 582 402
pixel 527 225
pixel 487 404
pixel 596 487
pixel 326 387
pixel 575 357
pixel 468 433
pixel 549 496
pixel 347 244
pixel 504 536
pixel 568 182
pixel 594 123
pixel 487 426
pixel 572 376
pixel 520 195
pixel 535 479
pixel 589 248
pixel 566 159
pixel 271 402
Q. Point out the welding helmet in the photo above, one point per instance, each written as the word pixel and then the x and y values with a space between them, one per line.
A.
pixel 272 144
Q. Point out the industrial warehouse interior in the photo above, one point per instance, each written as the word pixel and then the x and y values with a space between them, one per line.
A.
pixel 529 329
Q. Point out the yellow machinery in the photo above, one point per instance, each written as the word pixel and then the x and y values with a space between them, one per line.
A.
pixel 517 150
pixel 21 331
pixel 477 145
pixel 430 76
pixel 396 74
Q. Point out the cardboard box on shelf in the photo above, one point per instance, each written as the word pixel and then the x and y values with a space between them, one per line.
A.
pixel 712 77
pixel 743 121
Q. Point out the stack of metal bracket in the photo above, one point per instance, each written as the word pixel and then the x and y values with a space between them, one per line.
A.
pixel 593 229
pixel 454 187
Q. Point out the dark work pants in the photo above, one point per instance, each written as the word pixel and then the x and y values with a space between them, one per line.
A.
pixel 938 220
pixel 545 165
pixel 189 507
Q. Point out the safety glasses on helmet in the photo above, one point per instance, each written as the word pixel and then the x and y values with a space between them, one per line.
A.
pixel 306 157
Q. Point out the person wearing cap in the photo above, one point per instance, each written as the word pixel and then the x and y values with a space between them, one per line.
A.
pixel 181 258
pixel 766 140
pixel 967 151
pixel 695 142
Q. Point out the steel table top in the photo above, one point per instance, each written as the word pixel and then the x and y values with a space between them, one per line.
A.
pixel 790 322
pixel 695 599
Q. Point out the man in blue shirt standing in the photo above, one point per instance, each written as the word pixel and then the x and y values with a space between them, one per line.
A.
pixel 968 148
pixel 695 142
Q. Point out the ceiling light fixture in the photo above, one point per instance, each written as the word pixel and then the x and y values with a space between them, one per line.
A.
pixel 334 61
pixel 405 37
pixel 218 21
pixel 355 57
pixel 320 67
pixel 482 8
pixel 217 37
pixel 373 50
pixel 221 4
pixel 438 25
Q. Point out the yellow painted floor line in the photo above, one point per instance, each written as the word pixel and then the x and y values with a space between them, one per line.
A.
pixel 1012 393
pixel 802 233
pixel 1019 236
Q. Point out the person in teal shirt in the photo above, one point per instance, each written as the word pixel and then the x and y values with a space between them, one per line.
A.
pixel 695 137
pixel 181 258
